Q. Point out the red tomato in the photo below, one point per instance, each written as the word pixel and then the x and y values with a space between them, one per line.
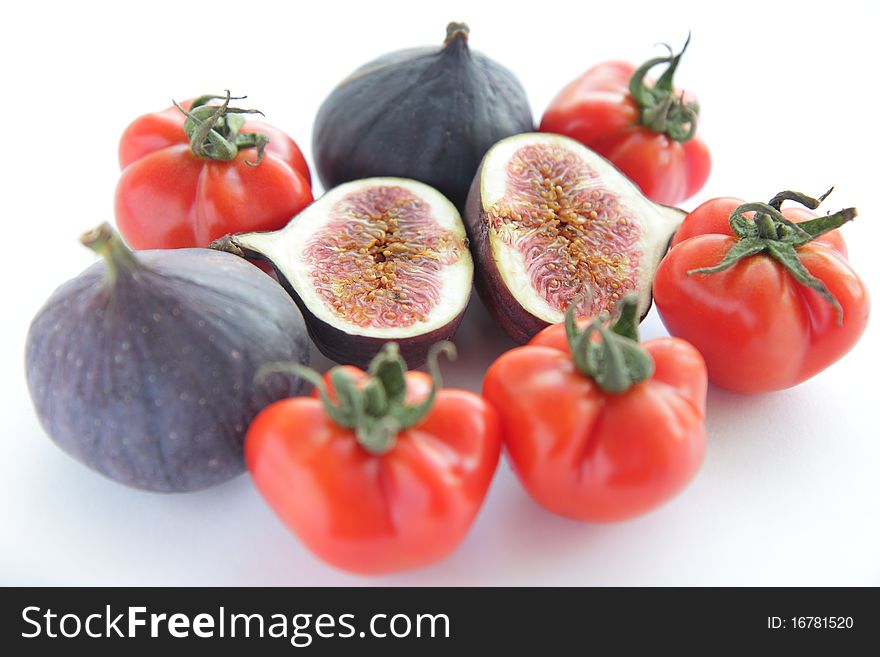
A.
pixel 593 455
pixel 758 328
pixel 373 512
pixel 658 152
pixel 168 197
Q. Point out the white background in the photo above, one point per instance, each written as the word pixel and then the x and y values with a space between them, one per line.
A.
pixel 789 492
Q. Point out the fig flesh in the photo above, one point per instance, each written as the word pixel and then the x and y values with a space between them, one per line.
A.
pixel 143 367
pixel 371 261
pixel 551 223
pixel 423 113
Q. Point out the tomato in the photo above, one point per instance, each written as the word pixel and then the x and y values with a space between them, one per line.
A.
pixel 765 321
pixel 177 190
pixel 595 447
pixel 367 498
pixel 648 132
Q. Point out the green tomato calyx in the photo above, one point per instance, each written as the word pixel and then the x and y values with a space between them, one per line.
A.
pixel 376 410
pixel 663 110
pixel 771 233
pixel 615 361
pixel 214 131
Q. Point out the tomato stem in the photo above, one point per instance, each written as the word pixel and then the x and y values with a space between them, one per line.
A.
pixel 106 242
pixel 770 232
pixel 616 361
pixel 214 131
pixel 662 110
pixel 377 409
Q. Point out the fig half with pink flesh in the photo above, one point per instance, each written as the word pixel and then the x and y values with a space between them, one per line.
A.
pixel 372 261
pixel 551 223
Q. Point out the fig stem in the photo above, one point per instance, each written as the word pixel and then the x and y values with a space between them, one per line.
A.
pixel 214 131
pixel 612 358
pixel 105 241
pixel 375 408
pixel 661 109
pixel 770 232
pixel 456 31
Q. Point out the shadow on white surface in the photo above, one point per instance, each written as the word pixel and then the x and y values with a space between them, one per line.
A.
pixel 768 472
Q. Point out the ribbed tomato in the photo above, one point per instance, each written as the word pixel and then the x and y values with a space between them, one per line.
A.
pixel 767 295
pixel 596 427
pixel 383 472
pixel 188 181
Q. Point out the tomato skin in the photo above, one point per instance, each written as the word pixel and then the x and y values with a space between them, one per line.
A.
pixel 152 132
pixel 169 198
pixel 598 110
pixel 376 513
pixel 594 456
pixel 758 329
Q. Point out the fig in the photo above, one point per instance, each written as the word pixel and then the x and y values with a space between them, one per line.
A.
pixel 423 113
pixel 143 366
pixel 551 223
pixel 371 261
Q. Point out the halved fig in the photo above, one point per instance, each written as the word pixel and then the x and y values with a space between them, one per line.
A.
pixel 551 221
pixel 371 261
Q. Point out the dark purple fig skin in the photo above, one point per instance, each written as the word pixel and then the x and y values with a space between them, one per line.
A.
pixel 150 380
pixel 423 113
pixel 342 347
